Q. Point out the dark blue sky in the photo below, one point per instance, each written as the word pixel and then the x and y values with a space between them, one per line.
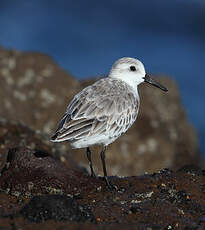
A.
pixel 86 37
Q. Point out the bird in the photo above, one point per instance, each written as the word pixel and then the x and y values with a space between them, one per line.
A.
pixel 103 111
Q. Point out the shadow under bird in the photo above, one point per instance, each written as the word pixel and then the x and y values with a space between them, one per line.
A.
pixel 103 111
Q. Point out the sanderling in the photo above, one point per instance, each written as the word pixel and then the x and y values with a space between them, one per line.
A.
pixel 103 111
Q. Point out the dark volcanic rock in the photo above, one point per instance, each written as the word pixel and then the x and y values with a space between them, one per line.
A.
pixel 163 200
pixel 16 135
pixel 56 207
pixel 30 172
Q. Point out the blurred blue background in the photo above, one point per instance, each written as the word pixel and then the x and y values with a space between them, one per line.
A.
pixel 86 37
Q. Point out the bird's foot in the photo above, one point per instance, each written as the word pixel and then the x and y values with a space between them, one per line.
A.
pixel 92 174
pixel 110 185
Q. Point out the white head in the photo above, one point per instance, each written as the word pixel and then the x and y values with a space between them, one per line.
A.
pixel 129 70
pixel 132 71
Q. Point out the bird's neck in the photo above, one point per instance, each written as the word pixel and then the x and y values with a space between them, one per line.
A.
pixel 132 84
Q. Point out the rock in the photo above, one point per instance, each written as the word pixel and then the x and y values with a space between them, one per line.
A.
pixel 162 200
pixel 59 208
pixel 34 89
pixel 28 172
pixel 36 92
pixel 16 135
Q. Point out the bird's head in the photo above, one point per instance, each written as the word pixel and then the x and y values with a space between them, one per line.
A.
pixel 132 71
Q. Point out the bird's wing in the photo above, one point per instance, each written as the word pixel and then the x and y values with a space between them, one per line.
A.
pixel 108 106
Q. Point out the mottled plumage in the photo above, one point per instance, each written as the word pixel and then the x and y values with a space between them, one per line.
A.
pixel 104 110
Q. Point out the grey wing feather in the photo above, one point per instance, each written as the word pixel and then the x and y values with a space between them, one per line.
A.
pixel 102 107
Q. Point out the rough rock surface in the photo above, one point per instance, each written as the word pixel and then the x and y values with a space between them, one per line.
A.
pixel 56 207
pixel 34 89
pixel 36 92
pixel 13 135
pixel 163 200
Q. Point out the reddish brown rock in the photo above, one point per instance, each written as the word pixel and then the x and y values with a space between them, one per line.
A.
pixel 16 135
pixel 34 89
pixel 163 200
pixel 28 172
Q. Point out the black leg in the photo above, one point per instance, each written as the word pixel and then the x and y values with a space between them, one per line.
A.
pixel 90 161
pixel 110 186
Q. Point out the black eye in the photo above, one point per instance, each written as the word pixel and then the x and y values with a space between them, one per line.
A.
pixel 132 68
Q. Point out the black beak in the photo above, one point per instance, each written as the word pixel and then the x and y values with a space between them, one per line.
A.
pixel 151 81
